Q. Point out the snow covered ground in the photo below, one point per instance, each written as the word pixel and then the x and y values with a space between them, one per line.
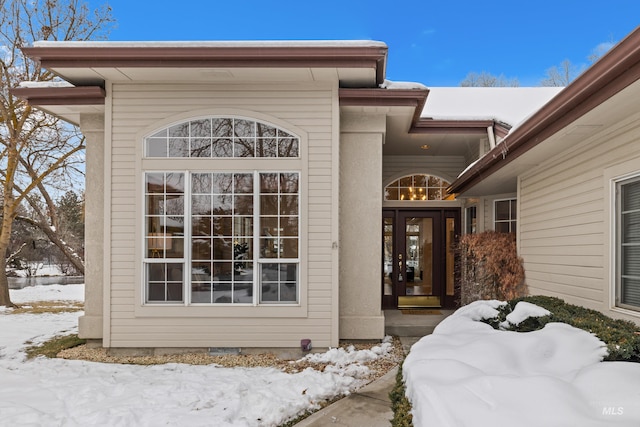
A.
pixel 468 374
pixel 77 393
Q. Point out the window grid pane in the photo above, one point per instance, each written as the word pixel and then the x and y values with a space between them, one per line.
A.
pixel 279 215
pixel 222 238
pixel 279 283
pixel 222 137
pixel 164 215
pixel 628 265
pixel 505 216
pixel 417 187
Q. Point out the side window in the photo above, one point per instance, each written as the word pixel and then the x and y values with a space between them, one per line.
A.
pixel 628 244
pixel 470 219
pixel 505 216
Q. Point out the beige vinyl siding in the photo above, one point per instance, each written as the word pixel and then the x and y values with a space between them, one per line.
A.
pixel 564 220
pixel 139 108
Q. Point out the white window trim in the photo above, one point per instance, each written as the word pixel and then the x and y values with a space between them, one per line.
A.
pixel 611 176
pixel 466 217
pixel 187 256
pixel 224 164
pixel 510 221
pixel 615 241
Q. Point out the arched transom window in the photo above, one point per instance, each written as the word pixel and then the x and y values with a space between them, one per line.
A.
pixel 417 187
pixel 219 137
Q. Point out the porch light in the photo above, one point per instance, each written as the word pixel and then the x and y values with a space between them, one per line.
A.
pixel 425 146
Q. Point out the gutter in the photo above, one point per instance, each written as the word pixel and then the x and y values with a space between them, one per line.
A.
pixel 619 68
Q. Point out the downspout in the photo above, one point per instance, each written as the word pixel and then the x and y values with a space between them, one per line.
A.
pixel 492 137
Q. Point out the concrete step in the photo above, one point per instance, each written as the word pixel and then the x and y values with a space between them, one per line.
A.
pixel 409 330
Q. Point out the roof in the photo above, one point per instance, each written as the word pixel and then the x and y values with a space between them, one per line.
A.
pixel 359 63
pixel 608 78
pixel 509 105
pixel 87 65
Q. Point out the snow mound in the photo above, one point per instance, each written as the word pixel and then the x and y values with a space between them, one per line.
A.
pixel 469 374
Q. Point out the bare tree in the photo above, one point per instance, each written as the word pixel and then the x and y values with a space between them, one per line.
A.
pixel 601 49
pixel 485 79
pixel 36 149
pixel 561 75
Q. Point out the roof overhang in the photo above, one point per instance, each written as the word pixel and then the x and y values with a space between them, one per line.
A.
pixel 67 103
pixel 613 73
pixel 357 63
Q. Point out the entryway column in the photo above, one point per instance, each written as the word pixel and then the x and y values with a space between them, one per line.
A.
pixel 90 325
pixel 360 217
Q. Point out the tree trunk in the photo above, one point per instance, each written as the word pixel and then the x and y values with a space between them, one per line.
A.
pixel 68 251
pixel 5 299
pixel 5 238
pixel 54 238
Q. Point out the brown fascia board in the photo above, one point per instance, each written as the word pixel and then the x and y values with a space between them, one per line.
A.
pixel 616 70
pixel 386 98
pixel 426 125
pixel 39 96
pixel 51 57
pixel 416 98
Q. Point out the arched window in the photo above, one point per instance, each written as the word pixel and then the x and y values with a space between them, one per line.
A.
pixel 218 234
pixel 417 187
pixel 219 137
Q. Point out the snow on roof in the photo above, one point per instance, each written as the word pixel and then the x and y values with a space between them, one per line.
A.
pixel 219 43
pixel 388 84
pixel 510 105
pixel 45 84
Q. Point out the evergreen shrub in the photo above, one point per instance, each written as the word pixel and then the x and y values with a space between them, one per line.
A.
pixel 621 337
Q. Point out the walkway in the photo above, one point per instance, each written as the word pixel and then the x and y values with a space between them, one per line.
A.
pixel 370 406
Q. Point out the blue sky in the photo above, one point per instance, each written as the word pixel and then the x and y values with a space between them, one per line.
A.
pixel 434 42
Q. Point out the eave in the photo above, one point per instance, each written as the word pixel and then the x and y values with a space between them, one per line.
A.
pixel 417 99
pixel 424 125
pixel 615 71
pixel 83 95
pixel 231 56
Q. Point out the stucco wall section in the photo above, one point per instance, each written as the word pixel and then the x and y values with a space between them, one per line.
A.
pixel 90 324
pixel 361 316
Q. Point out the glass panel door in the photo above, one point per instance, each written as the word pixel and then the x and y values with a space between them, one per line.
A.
pixel 419 256
pixel 389 272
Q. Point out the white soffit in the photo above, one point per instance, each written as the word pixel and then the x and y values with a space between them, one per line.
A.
pixel 96 76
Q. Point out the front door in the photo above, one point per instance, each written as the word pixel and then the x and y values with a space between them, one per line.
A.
pixel 418 258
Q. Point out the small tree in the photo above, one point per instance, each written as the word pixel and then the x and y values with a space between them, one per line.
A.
pixel 485 79
pixel 490 267
pixel 561 75
pixel 35 149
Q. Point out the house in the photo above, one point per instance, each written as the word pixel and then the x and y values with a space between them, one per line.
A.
pixel 255 194
pixel 574 167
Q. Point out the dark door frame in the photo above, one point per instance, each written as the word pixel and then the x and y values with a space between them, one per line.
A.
pixel 440 216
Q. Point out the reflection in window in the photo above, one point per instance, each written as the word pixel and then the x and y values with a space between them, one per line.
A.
pixel 505 216
pixel 222 137
pixel 628 244
pixel 279 282
pixel 418 187
pixel 240 223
